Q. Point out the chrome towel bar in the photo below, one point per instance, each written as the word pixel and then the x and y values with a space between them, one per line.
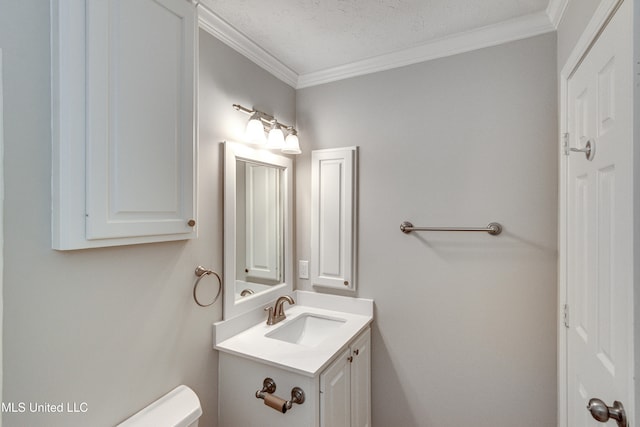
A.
pixel 492 228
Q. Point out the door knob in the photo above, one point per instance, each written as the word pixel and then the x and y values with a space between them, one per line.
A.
pixel 589 149
pixel 603 413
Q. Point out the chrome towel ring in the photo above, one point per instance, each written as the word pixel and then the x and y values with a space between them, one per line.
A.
pixel 202 272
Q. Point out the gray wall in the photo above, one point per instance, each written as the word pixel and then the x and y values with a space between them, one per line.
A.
pixel 115 327
pixel 465 326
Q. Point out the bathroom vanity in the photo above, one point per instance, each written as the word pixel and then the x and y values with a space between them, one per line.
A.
pixel 322 348
pixel 313 368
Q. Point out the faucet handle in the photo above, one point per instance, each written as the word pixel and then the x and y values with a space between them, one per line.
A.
pixel 269 311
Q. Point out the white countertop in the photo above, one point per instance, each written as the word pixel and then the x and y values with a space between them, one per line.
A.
pixel 253 343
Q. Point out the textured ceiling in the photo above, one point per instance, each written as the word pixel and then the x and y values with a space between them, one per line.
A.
pixel 315 35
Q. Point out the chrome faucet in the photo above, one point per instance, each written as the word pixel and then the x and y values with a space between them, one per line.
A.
pixel 276 313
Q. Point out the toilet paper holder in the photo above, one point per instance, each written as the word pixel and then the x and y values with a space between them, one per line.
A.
pixel 275 402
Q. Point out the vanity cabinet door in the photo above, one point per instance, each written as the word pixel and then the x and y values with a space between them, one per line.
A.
pixel 124 108
pixel 335 393
pixel 345 387
pixel 361 380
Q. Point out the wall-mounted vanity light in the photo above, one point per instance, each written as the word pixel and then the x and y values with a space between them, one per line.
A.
pixel 261 123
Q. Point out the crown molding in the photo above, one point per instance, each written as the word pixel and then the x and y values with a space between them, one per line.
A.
pixel 223 31
pixel 515 29
pixel 555 11
pixel 492 35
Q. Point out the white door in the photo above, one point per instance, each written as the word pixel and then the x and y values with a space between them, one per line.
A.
pixel 599 225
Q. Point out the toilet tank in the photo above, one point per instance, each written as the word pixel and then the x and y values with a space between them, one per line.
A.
pixel 178 408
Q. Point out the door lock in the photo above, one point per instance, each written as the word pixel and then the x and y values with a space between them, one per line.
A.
pixel 603 413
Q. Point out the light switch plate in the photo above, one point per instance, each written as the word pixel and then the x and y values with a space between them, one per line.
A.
pixel 303 269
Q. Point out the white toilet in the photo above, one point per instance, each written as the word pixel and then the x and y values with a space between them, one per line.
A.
pixel 178 408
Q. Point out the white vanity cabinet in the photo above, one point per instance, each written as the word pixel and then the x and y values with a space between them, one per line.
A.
pixel 124 113
pixel 345 387
pixel 337 396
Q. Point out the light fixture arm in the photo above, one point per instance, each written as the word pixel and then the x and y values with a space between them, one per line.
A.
pixel 267 119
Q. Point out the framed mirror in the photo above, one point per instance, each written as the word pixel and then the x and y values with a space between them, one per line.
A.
pixel 258 220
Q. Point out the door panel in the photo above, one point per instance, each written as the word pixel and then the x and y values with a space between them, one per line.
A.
pixel 263 223
pixel 599 224
pixel 361 381
pixel 335 393
pixel 140 118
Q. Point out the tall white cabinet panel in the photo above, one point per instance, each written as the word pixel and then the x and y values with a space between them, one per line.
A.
pixel 124 121
pixel 333 217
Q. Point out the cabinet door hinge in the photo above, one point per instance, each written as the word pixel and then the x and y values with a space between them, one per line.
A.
pixel 565 315
pixel 565 143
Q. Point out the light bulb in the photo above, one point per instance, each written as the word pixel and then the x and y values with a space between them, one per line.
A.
pixel 254 132
pixel 276 137
pixel 291 144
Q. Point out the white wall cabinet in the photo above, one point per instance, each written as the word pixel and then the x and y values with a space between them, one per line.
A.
pixel 339 396
pixel 333 218
pixel 124 134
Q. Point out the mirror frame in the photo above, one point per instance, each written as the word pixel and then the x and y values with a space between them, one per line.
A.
pixel 232 153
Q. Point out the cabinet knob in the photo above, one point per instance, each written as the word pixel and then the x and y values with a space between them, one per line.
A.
pixel 350 359
pixel 346 283
pixel 191 223
pixel 356 351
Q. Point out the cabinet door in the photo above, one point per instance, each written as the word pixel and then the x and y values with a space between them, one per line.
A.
pixel 335 393
pixel 333 217
pixel 361 381
pixel 140 117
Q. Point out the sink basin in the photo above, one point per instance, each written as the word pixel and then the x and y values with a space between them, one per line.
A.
pixel 307 329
